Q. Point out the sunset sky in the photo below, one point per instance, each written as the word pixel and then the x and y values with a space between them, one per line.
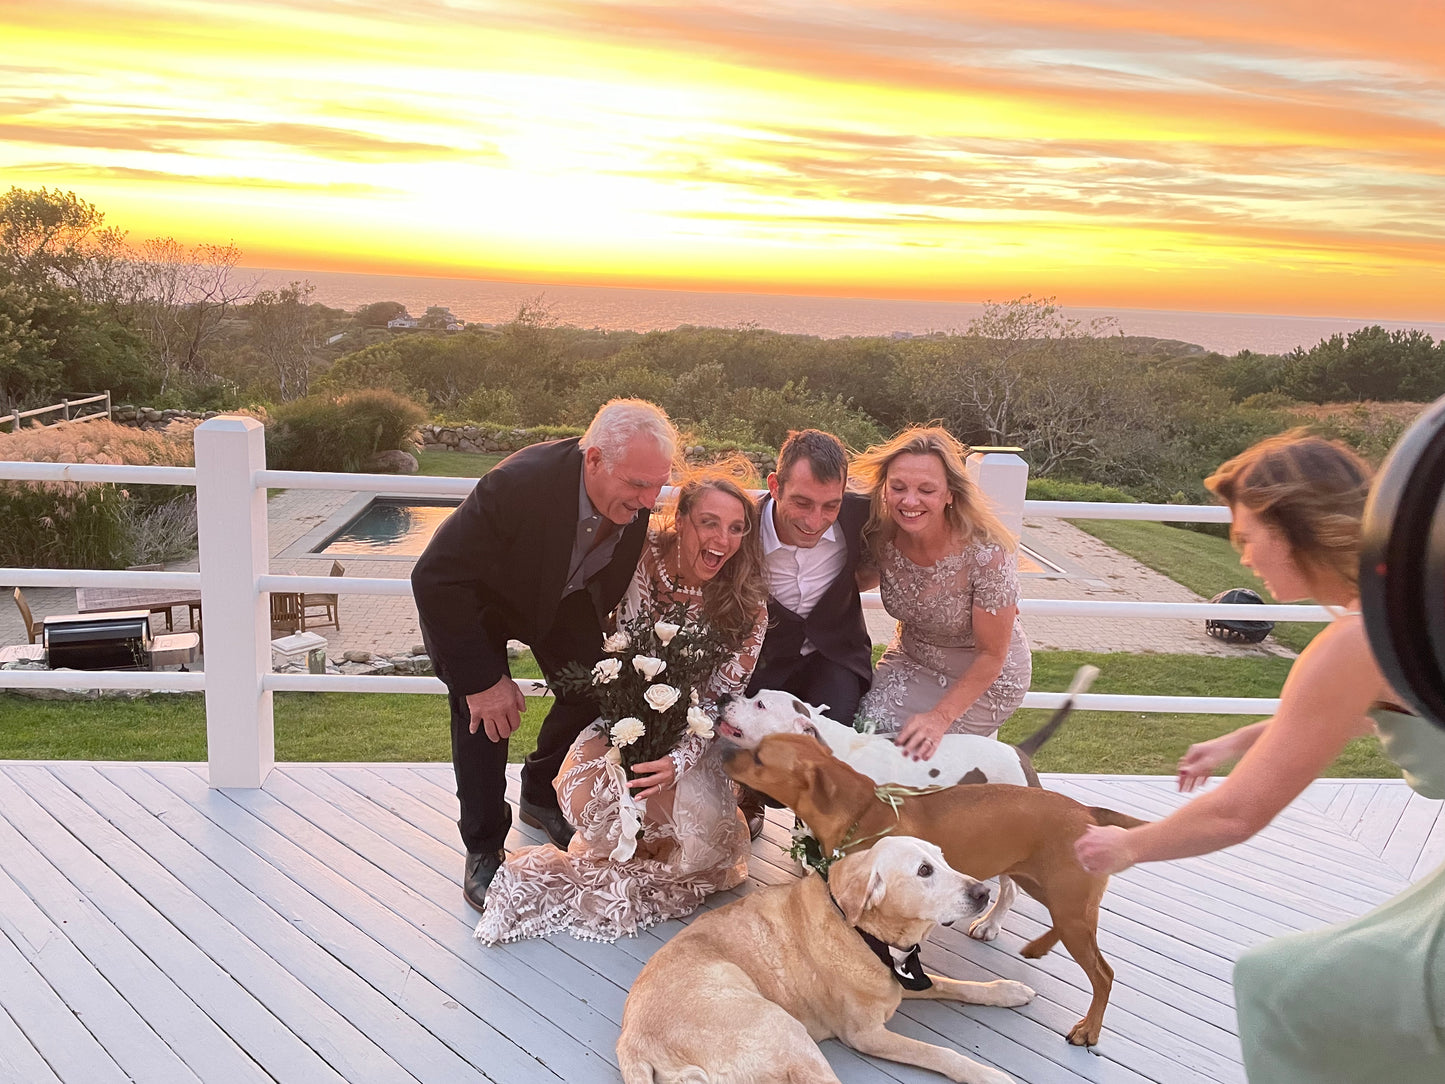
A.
pixel 1279 156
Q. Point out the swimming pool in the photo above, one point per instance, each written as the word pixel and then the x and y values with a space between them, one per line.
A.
pixel 388 527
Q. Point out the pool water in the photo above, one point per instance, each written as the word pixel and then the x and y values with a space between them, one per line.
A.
pixel 394 526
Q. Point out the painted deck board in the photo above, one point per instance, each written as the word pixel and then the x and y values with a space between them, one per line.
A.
pixel 313 931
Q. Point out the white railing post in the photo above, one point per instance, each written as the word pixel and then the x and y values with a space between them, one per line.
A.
pixel 235 617
pixel 1004 479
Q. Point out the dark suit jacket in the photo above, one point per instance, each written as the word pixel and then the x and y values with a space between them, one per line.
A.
pixel 836 626
pixel 496 567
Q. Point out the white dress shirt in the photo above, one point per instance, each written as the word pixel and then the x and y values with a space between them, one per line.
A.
pixel 798 576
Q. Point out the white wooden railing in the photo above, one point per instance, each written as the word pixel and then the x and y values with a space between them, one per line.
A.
pixel 231 481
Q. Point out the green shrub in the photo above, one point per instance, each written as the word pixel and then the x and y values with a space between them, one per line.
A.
pixel 326 433
pixel 1050 489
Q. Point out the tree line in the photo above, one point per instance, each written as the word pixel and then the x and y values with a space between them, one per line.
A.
pixel 82 309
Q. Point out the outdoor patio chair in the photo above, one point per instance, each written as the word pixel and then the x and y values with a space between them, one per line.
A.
pixel 33 628
pixel 327 605
pixel 285 610
pixel 170 627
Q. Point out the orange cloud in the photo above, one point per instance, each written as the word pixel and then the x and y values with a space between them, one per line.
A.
pixel 1243 148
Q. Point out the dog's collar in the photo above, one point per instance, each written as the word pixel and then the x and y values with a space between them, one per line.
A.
pixel 902 963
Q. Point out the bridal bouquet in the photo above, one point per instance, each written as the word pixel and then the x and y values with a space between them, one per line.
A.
pixel 647 686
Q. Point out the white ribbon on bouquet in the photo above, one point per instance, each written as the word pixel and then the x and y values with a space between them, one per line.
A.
pixel 629 813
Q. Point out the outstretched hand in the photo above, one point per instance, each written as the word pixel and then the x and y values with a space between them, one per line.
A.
pixel 1199 761
pixel 1104 849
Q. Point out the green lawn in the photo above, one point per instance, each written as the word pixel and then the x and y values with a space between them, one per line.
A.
pixel 455 464
pixel 1204 564
pixel 409 727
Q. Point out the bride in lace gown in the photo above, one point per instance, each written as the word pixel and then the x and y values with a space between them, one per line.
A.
pixel 695 842
pixel 948 571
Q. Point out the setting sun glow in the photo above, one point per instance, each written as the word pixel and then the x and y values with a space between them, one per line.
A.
pixel 1241 155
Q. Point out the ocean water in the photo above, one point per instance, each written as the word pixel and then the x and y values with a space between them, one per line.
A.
pixel 618 309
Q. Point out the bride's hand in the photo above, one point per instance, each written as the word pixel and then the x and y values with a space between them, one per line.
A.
pixel 652 776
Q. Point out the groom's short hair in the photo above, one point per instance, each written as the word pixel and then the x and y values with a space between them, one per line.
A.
pixel 825 455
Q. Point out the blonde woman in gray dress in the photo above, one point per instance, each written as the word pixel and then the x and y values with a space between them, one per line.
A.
pixel 947 569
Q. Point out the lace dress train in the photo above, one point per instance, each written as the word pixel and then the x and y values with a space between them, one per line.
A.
pixel 694 842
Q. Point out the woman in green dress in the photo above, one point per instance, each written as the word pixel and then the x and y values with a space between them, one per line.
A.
pixel 1362 1000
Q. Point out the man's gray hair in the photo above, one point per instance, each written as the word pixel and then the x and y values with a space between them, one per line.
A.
pixel 622 421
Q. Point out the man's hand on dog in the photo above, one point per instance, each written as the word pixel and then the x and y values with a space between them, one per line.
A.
pixel 920 736
pixel 498 709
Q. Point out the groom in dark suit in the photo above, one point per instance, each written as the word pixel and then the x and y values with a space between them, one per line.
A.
pixel 540 551
pixel 817 647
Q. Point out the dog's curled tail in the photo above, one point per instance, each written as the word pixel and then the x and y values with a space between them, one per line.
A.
pixel 1109 818
pixel 1083 678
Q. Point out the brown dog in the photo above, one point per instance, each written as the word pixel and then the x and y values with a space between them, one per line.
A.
pixel 984 829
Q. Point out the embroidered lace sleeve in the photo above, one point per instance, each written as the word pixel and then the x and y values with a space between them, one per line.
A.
pixel 732 676
pixel 995 574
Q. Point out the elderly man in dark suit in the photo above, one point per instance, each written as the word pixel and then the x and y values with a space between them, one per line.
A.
pixel 817 647
pixel 540 551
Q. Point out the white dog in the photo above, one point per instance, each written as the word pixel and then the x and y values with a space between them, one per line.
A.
pixel 745 993
pixel 961 758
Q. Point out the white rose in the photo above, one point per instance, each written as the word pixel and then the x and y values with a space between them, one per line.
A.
pixel 606 670
pixel 618 641
pixel 628 730
pixel 698 723
pixel 648 666
pixel 665 630
pixel 661 697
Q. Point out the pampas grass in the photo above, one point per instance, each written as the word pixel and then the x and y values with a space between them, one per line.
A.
pixel 88 524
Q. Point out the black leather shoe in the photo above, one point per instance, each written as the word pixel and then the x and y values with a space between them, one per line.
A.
pixel 755 825
pixel 550 820
pixel 751 804
pixel 482 866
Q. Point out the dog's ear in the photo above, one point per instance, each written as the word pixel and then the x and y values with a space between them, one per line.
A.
pixel 863 887
pixel 808 729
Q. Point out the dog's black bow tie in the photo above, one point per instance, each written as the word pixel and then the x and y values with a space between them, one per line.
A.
pixel 908 970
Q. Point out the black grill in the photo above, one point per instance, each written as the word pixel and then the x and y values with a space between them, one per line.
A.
pixel 116 641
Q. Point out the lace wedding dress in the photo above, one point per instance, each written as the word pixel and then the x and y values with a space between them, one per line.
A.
pixel 695 842
pixel 934 643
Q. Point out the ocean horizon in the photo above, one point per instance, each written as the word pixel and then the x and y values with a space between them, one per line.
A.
pixel 617 308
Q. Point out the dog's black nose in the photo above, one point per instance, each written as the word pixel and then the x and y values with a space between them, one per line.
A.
pixel 978 892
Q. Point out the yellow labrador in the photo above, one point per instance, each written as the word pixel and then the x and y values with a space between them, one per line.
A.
pixel 744 993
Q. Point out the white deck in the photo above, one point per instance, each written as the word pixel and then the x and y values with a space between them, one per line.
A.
pixel 314 932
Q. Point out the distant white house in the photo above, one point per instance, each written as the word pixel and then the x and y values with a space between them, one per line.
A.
pixel 437 316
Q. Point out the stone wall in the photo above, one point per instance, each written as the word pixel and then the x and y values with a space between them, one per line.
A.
pixel 144 417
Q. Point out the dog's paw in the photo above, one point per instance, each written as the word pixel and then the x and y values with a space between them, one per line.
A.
pixel 974 1073
pixel 1009 994
pixel 985 929
pixel 1084 1033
